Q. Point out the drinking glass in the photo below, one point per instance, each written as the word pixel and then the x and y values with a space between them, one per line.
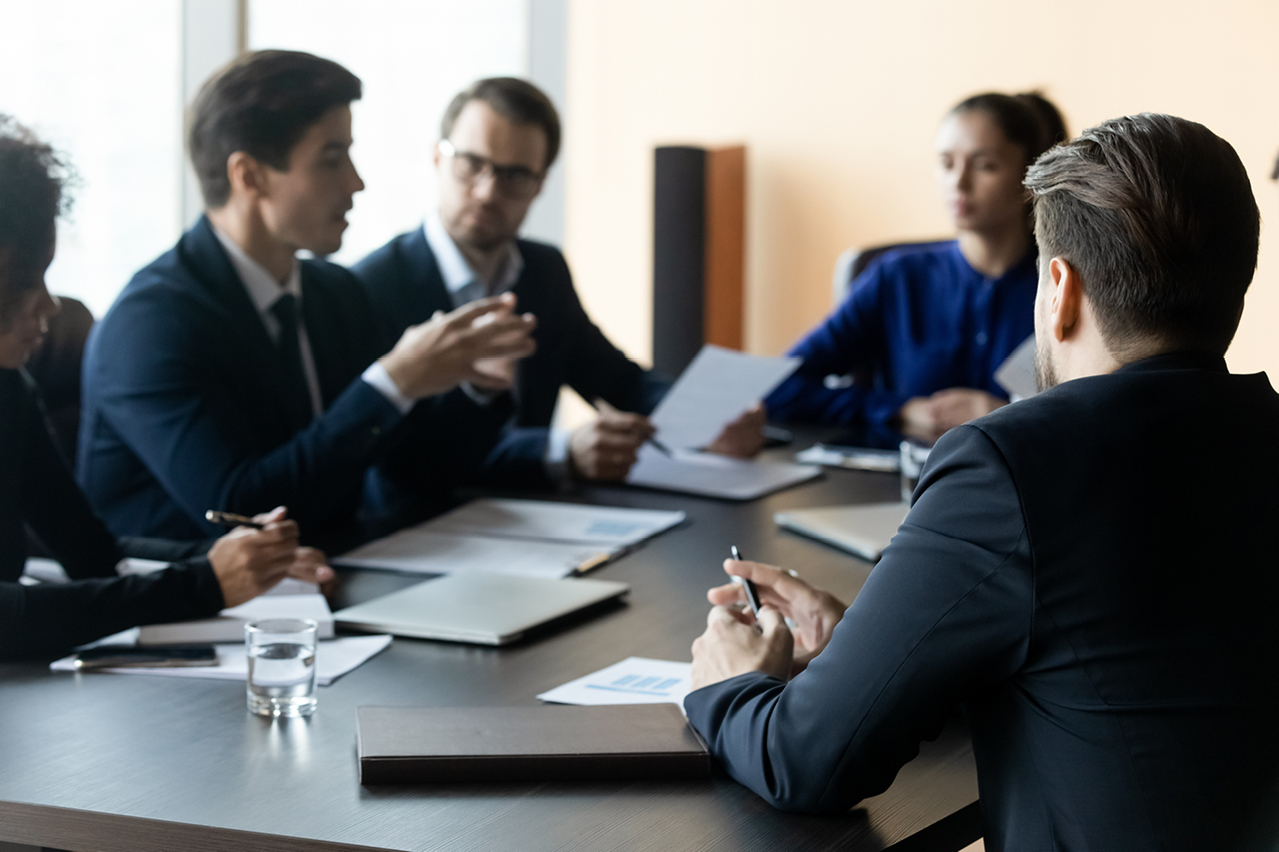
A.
pixel 281 654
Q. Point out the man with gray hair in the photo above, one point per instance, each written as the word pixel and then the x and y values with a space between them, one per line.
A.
pixel 1088 573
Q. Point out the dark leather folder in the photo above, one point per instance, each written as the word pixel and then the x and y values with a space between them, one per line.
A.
pixel 419 745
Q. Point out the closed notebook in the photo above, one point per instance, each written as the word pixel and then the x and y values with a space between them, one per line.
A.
pixel 863 530
pixel 424 745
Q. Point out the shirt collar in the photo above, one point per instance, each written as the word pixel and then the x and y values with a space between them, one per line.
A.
pixel 455 269
pixel 263 289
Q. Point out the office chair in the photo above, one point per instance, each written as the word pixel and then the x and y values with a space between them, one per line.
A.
pixel 853 262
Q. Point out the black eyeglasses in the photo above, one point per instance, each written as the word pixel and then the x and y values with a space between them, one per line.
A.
pixel 512 181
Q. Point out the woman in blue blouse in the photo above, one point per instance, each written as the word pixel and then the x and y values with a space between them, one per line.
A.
pixel 924 328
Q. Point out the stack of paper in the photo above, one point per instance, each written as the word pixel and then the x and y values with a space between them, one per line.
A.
pixel 332 660
pixel 528 538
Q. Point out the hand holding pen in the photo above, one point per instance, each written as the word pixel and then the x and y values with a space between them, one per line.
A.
pixel 608 446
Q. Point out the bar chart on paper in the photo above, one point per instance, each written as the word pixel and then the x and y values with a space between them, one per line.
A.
pixel 635 680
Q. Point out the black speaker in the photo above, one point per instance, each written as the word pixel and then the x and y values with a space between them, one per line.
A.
pixel 698 244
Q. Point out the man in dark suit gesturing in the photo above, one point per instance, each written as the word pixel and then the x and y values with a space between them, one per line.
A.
pixel 231 375
pixel 498 139
pixel 1090 573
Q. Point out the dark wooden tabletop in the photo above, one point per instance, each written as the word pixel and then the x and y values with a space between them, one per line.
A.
pixel 132 764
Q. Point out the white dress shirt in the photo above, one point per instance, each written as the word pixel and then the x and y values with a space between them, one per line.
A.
pixel 264 291
pixel 466 285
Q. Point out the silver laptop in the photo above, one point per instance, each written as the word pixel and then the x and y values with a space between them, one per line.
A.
pixel 863 530
pixel 483 609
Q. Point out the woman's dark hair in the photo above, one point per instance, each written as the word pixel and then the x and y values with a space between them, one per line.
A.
pixel 33 193
pixel 515 100
pixel 1029 119
pixel 261 104
pixel 1156 214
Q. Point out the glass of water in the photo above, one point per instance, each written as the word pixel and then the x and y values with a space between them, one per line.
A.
pixel 281 655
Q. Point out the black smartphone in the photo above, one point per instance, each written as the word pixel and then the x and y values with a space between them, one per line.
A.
pixel 155 656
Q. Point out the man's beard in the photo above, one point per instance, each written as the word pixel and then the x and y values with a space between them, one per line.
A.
pixel 1045 369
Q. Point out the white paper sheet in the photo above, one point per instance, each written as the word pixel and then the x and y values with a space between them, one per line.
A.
pixel 421 552
pixel 710 475
pixel 333 659
pixel 713 391
pixel 543 520
pixel 1017 374
pixel 635 680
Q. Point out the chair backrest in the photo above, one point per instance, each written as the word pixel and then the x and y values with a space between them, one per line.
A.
pixel 55 367
pixel 853 262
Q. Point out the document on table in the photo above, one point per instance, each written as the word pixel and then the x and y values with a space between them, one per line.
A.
pixel 1017 374
pixel 420 551
pixel 710 475
pixel 528 538
pixel 635 680
pixel 713 391
pixel 333 659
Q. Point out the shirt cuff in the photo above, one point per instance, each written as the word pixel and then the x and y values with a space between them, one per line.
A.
pixel 477 396
pixel 556 458
pixel 380 380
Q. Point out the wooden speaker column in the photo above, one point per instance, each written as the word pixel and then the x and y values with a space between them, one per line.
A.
pixel 699 241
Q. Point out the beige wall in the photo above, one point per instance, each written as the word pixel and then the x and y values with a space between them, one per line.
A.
pixel 838 103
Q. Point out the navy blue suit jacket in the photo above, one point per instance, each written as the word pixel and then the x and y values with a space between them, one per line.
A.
pixel 1091 573
pixel 505 443
pixel 185 400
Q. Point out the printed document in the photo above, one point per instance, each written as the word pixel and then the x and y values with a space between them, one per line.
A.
pixel 527 538
pixel 635 680
pixel 714 390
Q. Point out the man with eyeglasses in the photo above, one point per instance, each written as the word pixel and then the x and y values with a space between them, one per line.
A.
pixel 498 139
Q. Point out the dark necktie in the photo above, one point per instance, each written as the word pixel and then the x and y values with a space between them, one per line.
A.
pixel 297 393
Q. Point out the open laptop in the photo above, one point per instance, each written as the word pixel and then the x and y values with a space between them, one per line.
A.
pixel 863 530
pixel 483 609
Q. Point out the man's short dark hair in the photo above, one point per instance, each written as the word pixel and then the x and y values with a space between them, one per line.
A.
pixel 515 100
pixel 261 104
pixel 33 182
pixel 1156 213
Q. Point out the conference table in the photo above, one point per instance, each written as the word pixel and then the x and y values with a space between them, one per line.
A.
pixel 110 763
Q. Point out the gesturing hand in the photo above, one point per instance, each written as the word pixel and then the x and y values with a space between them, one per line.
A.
pixel 441 353
pixel 814 613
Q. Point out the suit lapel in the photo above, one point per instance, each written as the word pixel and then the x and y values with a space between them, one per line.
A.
pixel 207 262
pixel 423 285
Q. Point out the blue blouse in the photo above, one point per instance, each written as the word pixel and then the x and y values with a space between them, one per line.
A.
pixel 917 321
